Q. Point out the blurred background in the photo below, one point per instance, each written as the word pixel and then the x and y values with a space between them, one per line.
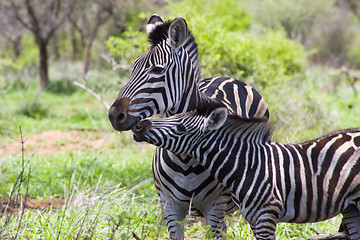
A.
pixel 62 62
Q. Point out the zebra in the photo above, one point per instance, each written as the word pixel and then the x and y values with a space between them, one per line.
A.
pixel 166 79
pixel 270 182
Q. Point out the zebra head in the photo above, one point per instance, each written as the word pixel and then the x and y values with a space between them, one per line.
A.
pixel 160 77
pixel 180 133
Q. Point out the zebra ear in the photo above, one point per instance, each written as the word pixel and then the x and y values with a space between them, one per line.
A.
pixel 216 119
pixel 178 32
pixel 153 22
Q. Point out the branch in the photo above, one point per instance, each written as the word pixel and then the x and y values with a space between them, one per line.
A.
pixel 114 64
pixel 35 23
pixel 350 73
pixel 57 23
pixel 16 10
pixel 92 93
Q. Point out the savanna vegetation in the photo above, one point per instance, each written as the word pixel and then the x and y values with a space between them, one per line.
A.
pixel 66 174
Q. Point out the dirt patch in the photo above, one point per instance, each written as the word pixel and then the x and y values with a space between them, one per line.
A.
pixel 13 206
pixel 53 141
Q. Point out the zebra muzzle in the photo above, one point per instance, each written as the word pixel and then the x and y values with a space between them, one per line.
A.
pixel 140 129
pixel 119 116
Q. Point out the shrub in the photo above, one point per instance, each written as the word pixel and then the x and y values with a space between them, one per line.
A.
pixel 266 58
pixel 128 46
pixel 34 109
pixel 29 56
pixel 354 52
pixel 227 14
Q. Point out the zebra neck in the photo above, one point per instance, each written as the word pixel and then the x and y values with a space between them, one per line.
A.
pixel 190 46
pixel 233 152
pixel 191 100
pixel 191 97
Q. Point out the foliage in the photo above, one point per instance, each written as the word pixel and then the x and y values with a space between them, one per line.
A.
pixel 30 55
pixel 33 109
pixel 354 52
pixel 5 62
pixel 227 14
pixel 298 18
pixel 269 60
pixel 224 49
pixel 128 46
pixel 327 28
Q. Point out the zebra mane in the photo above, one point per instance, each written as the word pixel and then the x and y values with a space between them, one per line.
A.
pixel 161 33
pixel 206 107
pixel 260 124
pixel 235 121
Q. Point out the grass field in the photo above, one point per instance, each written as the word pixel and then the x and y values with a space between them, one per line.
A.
pixel 76 178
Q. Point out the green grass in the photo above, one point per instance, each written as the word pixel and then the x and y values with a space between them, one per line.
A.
pixel 109 189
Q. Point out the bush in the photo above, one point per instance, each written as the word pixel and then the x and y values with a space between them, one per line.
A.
pixel 34 109
pixel 5 62
pixel 354 52
pixel 267 59
pixel 128 46
pixel 29 56
pixel 227 14
pixel 328 28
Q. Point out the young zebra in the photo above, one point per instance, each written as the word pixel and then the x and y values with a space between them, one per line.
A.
pixel 166 79
pixel 270 182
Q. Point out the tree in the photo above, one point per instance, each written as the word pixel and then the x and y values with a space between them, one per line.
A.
pixel 42 18
pixel 98 12
pixel 352 5
pixel 11 29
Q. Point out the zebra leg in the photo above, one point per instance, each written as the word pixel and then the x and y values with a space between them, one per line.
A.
pixel 351 217
pixel 263 233
pixel 215 214
pixel 265 226
pixel 343 227
pixel 174 215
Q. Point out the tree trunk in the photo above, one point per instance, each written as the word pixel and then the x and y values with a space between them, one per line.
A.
pixel 17 46
pixel 87 50
pixel 55 46
pixel 43 68
pixel 74 49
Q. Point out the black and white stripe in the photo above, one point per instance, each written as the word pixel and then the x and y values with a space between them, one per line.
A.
pixel 270 182
pixel 166 79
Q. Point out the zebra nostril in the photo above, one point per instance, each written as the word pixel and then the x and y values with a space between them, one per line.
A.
pixel 142 126
pixel 138 127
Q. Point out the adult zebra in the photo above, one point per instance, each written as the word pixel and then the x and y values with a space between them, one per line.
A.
pixel 270 182
pixel 166 79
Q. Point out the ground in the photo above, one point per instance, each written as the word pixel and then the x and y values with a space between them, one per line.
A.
pixel 52 141
pixel 47 142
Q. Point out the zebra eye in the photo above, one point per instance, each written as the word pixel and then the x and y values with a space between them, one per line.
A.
pixel 158 69
pixel 181 128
